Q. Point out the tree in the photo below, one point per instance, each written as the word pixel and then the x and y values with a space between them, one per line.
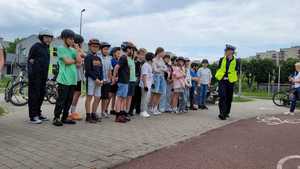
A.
pixel 262 68
pixel 287 67
pixel 248 69
pixel 12 46
pixel 213 67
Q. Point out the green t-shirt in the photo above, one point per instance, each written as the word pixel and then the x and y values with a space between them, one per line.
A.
pixel 67 74
pixel 131 64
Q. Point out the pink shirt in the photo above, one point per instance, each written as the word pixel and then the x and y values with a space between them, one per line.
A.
pixel 178 83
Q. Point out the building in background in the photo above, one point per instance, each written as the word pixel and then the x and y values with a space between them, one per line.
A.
pixel 281 55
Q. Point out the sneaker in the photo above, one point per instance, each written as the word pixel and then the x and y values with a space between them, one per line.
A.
pixel 112 112
pixel 193 108
pixel 36 120
pixel 292 114
pixel 205 107
pixel 67 121
pixel 222 117
pixel 156 113
pixel 43 118
pixel 286 113
pixel 125 115
pixel 120 119
pixel 145 114
pixel 104 114
pixel 96 118
pixel 89 118
pixel 57 122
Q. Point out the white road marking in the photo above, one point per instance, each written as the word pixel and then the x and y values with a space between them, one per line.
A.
pixel 272 120
pixel 285 159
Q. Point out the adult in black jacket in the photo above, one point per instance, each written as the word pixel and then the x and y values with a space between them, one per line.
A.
pixel 38 65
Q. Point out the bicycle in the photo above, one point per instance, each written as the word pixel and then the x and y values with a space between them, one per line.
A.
pixel 16 91
pixel 283 98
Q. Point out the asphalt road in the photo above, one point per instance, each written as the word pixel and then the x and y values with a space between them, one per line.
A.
pixel 271 142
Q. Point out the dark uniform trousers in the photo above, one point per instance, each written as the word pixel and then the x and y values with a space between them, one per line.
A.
pixel 36 93
pixel 226 94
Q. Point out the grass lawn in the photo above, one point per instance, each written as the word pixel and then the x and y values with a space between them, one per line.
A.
pixel 242 99
pixel 3 83
pixel 2 111
pixel 258 95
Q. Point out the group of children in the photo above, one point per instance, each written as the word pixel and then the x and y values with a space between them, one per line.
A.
pixel 124 79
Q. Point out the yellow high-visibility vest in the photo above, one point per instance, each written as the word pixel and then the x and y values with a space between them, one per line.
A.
pixel 232 73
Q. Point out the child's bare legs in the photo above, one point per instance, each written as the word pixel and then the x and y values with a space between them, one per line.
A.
pixel 174 101
pixel 95 104
pixel 118 104
pixel 155 99
pixel 113 101
pixel 88 101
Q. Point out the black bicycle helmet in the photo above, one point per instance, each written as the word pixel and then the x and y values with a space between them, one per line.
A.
pixel 94 41
pixel 67 33
pixel 126 45
pixel 173 58
pixel 204 61
pixel 105 44
pixel 114 50
pixel 194 65
pixel 78 39
pixel 180 58
pixel 149 56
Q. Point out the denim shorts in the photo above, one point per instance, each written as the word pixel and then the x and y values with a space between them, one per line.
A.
pixel 159 85
pixel 93 89
pixel 122 90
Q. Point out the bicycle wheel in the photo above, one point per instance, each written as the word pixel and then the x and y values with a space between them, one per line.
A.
pixel 280 99
pixel 51 94
pixel 19 93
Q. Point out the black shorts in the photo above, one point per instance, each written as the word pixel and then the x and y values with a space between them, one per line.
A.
pixel 105 89
pixel 78 87
pixel 131 88
pixel 114 88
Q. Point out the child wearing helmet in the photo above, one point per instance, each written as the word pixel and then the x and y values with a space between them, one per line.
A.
pixel 94 78
pixel 121 77
pixel 107 75
pixel 66 79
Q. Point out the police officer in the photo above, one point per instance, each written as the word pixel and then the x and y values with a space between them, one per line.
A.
pixel 38 64
pixel 227 75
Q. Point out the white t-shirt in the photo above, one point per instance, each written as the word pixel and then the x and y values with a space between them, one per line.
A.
pixel 297 78
pixel 147 70
pixel 159 66
pixel 205 75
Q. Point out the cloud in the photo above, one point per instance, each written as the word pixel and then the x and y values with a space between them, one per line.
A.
pixel 190 28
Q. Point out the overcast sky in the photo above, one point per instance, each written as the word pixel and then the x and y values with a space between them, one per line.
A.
pixel 191 28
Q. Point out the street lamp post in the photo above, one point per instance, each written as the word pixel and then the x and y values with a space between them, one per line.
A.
pixel 83 10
